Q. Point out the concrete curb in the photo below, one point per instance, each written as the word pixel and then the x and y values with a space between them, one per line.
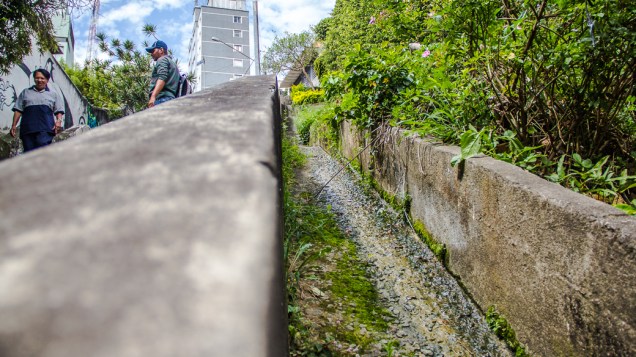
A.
pixel 560 266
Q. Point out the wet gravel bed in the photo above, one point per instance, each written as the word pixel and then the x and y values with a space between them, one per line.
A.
pixel 433 315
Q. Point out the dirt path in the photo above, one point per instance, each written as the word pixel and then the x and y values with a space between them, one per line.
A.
pixel 433 316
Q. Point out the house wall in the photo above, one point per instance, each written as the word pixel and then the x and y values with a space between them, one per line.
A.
pixel 64 37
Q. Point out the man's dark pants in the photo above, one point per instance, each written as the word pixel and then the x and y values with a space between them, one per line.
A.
pixel 33 141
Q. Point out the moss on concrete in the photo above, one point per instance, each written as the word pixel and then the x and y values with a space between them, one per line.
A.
pixel 500 326
pixel 436 247
pixel 359 299
pixel 312 238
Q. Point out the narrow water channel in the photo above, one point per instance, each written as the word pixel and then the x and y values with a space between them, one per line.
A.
pixel 432 315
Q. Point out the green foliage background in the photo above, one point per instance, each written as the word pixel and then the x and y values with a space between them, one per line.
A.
pixel 21 21
pixel 290 52
pixel 120 84
pixel 542 84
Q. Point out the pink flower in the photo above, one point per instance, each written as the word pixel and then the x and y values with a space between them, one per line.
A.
pixel 372 21
pixel 426 53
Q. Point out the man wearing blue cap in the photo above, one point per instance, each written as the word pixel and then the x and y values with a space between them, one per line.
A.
pixel 164 81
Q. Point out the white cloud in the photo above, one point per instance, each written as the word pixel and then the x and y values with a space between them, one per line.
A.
pixel 135 13
pixel 294 16
pixel 124 19
pixel 172 4
pixel 181 32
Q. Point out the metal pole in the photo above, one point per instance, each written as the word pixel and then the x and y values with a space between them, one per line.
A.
pixel 257 36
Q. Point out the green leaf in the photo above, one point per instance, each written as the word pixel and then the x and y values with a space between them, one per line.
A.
pixel 553 178
pixel 560 169
pixel 629 209
pixel 470 143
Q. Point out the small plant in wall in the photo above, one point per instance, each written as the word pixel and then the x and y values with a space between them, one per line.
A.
pixel 500 326
pixel 470 143
pixel 598 180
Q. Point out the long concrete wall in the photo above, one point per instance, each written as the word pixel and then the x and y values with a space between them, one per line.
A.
pixel 559 266
pixel 164 240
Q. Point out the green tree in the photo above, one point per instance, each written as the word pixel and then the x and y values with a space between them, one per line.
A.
pixel 95 82
pixel 321 28
pixel 291 52
pixel 119 84
pixel 129 73
pixel 347 27
pixel 21 20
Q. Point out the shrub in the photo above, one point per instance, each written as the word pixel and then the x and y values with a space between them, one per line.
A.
pixel 525 81
pixel 302 95
pixel 312 117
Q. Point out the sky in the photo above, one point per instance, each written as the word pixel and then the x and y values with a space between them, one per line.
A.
pixel 124 19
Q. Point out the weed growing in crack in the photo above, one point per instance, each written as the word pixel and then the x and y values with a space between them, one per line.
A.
pixel 500 326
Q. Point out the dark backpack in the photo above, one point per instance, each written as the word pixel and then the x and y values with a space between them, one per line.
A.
pixel 184 87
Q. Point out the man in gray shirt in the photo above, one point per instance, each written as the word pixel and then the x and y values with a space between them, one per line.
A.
pixel 164 81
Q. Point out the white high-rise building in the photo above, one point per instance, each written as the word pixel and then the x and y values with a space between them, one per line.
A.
pixel 220 44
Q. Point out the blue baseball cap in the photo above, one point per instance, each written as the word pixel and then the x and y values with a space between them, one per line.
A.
pixel 157 44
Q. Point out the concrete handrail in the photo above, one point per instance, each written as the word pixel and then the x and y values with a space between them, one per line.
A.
pixel 155 235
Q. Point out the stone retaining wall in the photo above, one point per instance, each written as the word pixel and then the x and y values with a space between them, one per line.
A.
pixel 559 266
pixel 155 235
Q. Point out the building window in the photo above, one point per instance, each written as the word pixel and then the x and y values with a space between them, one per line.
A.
pixel 238 63
pixel 238 33
pixel 238 20
pixel 238 48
